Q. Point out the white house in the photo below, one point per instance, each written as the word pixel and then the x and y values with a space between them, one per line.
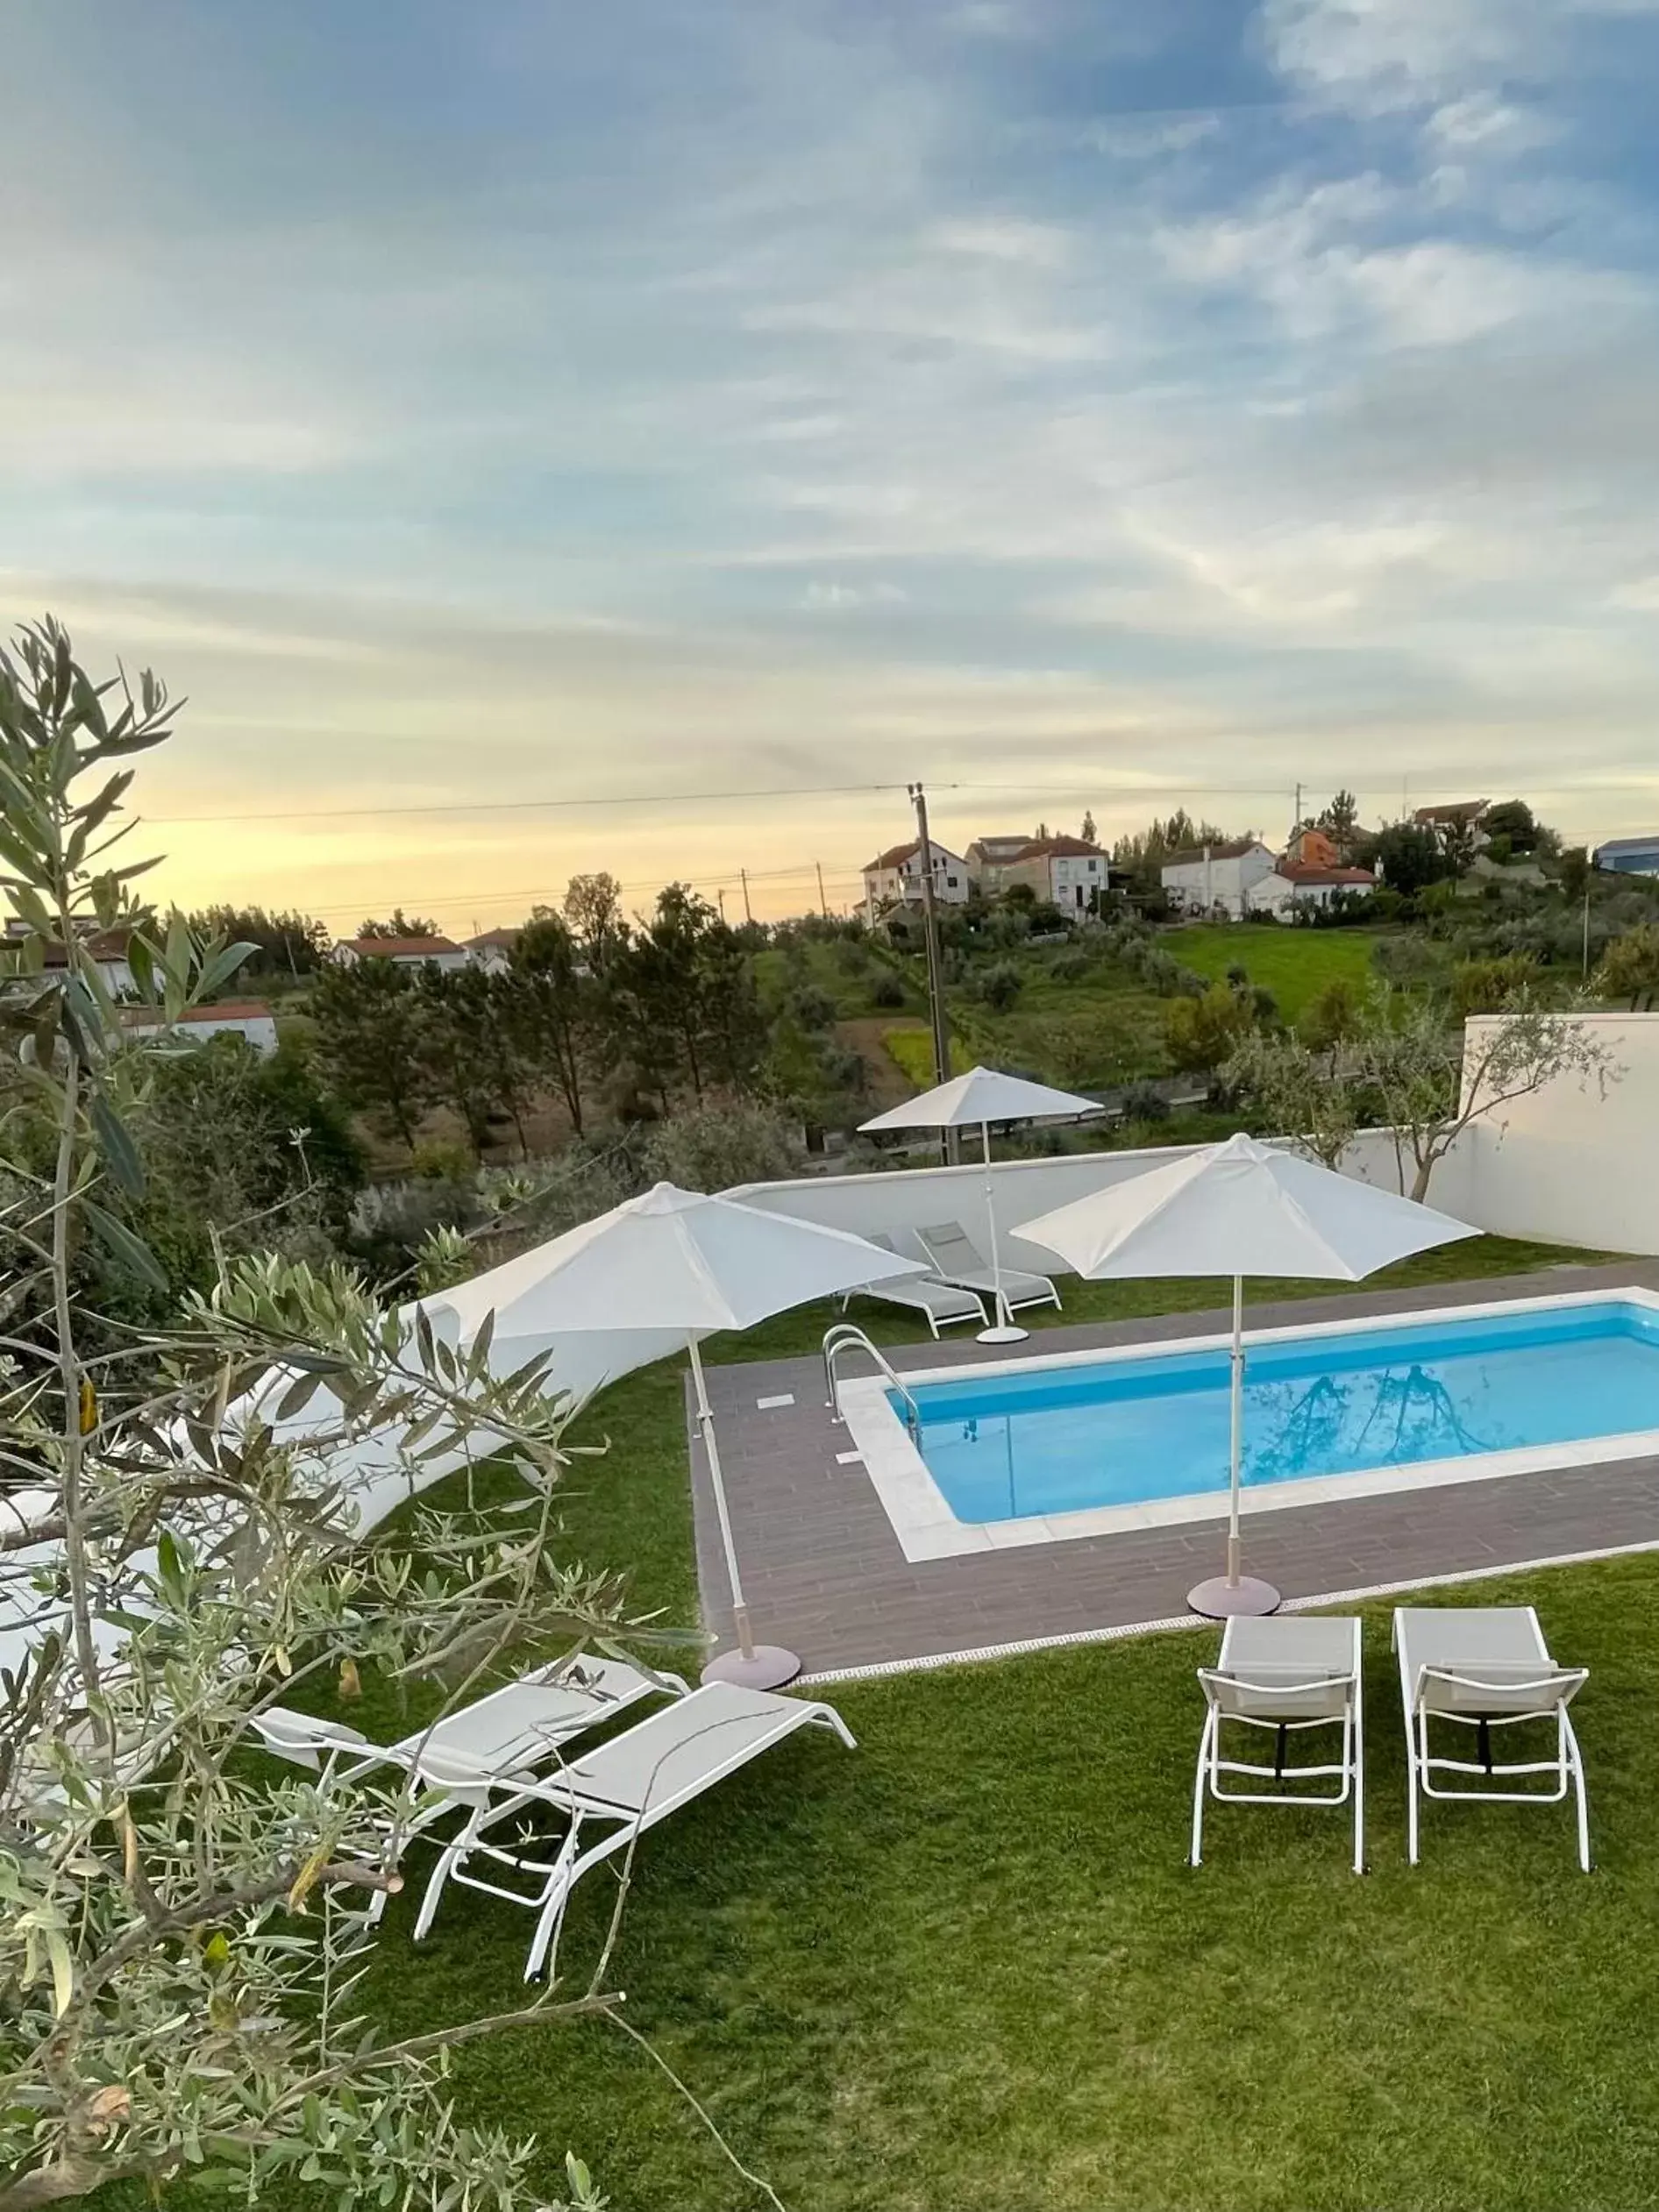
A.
pixel 1069 870
pixel 894 879
pixel 1468 815
pixel 990 859
pixel 1294 883
pixel 247 1018
pixel 403 952
pixel 493 949
pixel 1207 878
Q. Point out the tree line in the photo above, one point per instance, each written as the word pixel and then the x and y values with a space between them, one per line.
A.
pixel 648 1013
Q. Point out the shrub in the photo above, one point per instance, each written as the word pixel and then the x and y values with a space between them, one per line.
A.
pixel 1145 1102
pixel 1071 967
pixel 887 989
pixel 999 985
pixel 390 1222
pixel 718 1146
pixel 1490 987
pixel 1202 1032
pixel 441 1160
pixel 812 1006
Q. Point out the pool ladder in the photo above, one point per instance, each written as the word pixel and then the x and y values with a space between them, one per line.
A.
pixel 844 1337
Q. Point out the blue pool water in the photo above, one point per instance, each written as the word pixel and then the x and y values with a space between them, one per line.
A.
pixel 1054 1439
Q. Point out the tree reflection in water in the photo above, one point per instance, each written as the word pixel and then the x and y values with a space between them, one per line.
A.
pixel 1336 1423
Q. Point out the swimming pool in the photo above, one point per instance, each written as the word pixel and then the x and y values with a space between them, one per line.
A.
pixel 1078 1444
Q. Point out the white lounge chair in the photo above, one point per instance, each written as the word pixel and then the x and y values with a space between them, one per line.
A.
pixel 1285 1673
pixel 1486 1667
pixel 943 1303
pixel 504 1737
pixel 613 1795
pixel 956 1257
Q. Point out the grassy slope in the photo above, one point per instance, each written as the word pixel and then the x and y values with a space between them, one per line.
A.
pixel 1294 964
pixel 1099 1029
pixel 965 1967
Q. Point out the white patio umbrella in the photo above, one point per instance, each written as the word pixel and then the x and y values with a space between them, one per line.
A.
pixel 676 1260
pixel 1240 1208
pixel 984 1096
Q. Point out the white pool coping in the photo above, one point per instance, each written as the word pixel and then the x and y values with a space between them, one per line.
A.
pixel 927 1528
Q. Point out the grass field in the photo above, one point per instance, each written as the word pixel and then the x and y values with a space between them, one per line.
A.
pixel 1294 964
pixel 1093 1030
pixel 964 1967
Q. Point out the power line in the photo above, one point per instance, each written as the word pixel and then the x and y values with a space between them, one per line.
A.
pixel 519 806
pixel 803 873
pixel 1089 785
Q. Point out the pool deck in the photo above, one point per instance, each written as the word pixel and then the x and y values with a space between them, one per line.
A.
pixel 824 1574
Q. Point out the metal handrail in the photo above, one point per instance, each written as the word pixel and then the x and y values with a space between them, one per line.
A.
pixel 847 1337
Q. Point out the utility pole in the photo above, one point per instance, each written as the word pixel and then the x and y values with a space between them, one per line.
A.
pixel 748 913
pixel 930 933
pixel 1296 815
pixel 1586 948
pixel 720 898
pixel 824 904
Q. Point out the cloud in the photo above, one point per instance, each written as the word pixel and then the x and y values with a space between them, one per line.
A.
pixel 835 598
pixel 598 401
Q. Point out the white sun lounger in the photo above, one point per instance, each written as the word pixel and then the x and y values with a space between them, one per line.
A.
pixel 613 1795
pixel 1486 1667
pixel 943 1303
pixel 504 1737
pixel 1283 1673
pixel 957 1258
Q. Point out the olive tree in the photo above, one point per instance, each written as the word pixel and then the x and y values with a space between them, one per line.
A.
pixel 1409 1065
pixel 181 1936
pixel 1432 1082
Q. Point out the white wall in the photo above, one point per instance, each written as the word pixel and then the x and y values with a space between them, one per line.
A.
pixel 915 1198
pixel 1574 1162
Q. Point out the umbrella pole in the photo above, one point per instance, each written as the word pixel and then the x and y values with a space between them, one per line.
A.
pixel 1234 1592
pixel 1004 1329
pixel 755 1666
pixel 1237 1426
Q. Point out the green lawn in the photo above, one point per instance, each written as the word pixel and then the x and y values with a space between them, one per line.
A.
pixel 1294 964
pixel 965 1969
pixel 911 1045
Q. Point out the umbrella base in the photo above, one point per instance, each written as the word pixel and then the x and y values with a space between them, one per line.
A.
pixel 1222 1600
pixel 769 1667
pixel 1005 1332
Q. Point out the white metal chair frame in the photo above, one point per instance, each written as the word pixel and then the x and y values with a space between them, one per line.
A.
pixel 910 1293
pixel 442 1775
pixel 1317 1683
pixel 1553 1688
pixel 574 1856
pixel 1017 1286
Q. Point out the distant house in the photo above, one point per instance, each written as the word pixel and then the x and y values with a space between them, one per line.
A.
pixel 403 952
pixel 1308 884
pixel 1312 848
pixel 894 879
pixel 1461 814
pixel 1628 855
pixel 989 859
pixel 248 1018
pixel 1069 870
pixel 108 950
pixel 493 949
pixel 1217 877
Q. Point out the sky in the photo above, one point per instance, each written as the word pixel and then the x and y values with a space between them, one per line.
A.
pixel 541 437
